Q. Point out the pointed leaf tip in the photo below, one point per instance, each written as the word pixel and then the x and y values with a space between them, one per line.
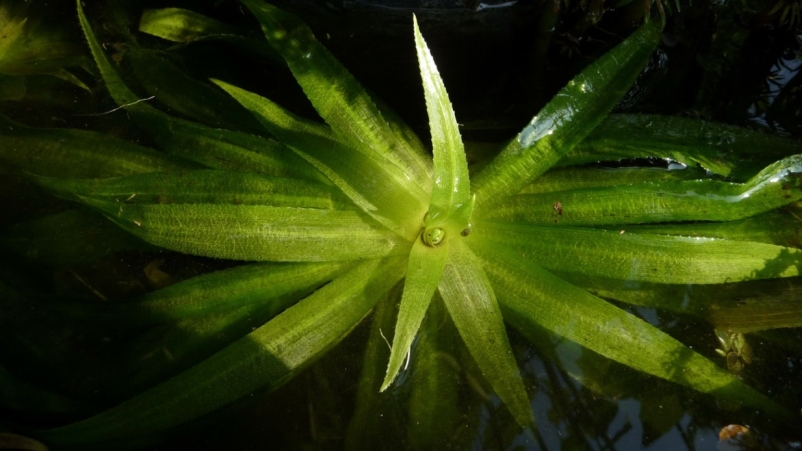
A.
pixel 451 199
pixel 424 269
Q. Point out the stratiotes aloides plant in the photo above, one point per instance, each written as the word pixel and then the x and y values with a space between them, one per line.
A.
pixel 355 206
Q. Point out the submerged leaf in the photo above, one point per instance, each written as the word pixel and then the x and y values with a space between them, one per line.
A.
pixel 530 294
pixel 220 291
pixel 214 148
pixel 719 148
pixel 264 359
pixel 199 187
pixel 180 25
pixel 471 301
pixel 424 269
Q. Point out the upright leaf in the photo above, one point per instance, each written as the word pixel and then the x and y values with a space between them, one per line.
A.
pixel 451 198
pixel 449 211
pixel 570 116
pixel 336 95
pixel 383 191
pixel 472 304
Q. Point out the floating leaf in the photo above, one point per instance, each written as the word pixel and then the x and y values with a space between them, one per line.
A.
pixel 640 257
pixel 720 148
pixel 660 201
pixel 255 232
pixel 568 117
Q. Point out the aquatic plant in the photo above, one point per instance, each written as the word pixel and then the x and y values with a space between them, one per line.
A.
pixel 355 215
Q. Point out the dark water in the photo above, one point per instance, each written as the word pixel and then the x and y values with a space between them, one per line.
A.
pixel 500 63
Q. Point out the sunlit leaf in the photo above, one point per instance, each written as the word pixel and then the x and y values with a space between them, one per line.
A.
pixel 381 190
pixel 660 201
pixel 451 203
pixel 720 148
pixel 424 269
pixel 568 117
pixel 641 257
pixel 255 232
pixel 779 227
pixel 565 179
pixel 336 95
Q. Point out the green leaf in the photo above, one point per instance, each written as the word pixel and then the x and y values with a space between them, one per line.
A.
pixel 265 359
pixel 374 411
pixel 185 26
pixel 568 117
pixel 565 179
pixel 217 292
pixel 189 97
pixel 660 201
pixel 530 294
pixel 34 44
pixel 648 258
pixel 435 414
pixel 719 148
pixel 424 269
pixel 337 96
pixel 451 203
pixel 73 153
pixel 212 147
pixel 255 232
pixel 180 25
pixel 472 304
pixel 119 92
pixel 67 238
pixel 780 227
pixel 200 187
pixel 382 191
